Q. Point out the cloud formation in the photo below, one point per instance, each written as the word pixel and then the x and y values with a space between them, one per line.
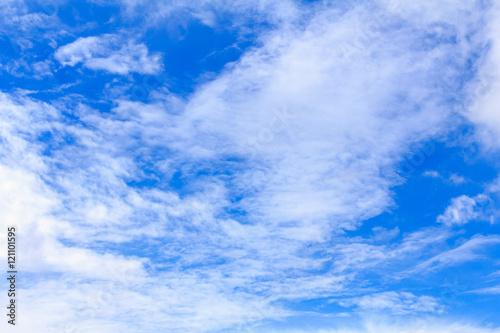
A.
pixel 234 205
pixel 462 210
pixel 108 53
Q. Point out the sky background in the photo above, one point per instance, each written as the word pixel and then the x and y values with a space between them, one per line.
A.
pixel 252 166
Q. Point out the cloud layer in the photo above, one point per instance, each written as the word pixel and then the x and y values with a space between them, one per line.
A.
pixel 231 207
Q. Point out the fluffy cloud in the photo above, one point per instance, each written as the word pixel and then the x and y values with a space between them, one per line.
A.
pixel 109 53
pixel 462 210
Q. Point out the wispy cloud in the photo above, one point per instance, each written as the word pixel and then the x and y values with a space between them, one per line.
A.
pixel 468 251
pixel 243 199
pixel 485 90
pixel 487 291
pixel 426 324
pixel 393 302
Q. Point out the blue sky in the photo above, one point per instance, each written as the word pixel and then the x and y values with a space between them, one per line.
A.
pixel 252 166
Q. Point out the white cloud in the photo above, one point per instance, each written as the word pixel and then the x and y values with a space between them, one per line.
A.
pixel 17 19
pixel 487 291
pixel 88 202
pixel 84 201
pixel 462 210
pixel 111 53
pixel 383 234
pixel 326 165
pixel 457 180
pixel 397 303
pixel 431 174
pixel 209 11
pixel 308 155
pixel 452 178
pixel 22 68
pixel 468 251
pixel 485 101
pixel 417 324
